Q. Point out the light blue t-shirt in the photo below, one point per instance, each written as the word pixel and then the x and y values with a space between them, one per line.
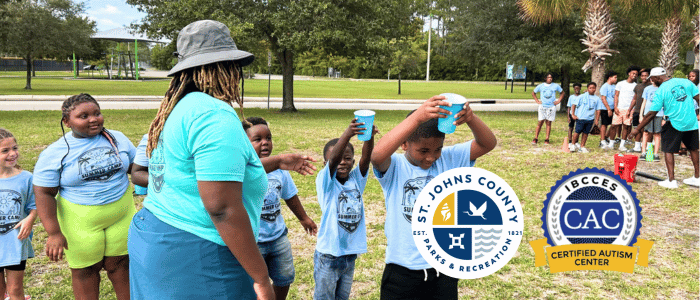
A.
pixel 92 174
pixel 279 185
pixel 343 230
pixel 586 106
pixel 202 140
pixel 141 158
pixel 402 183
pixel 649 95
pixel 571 100
pixel 16 202
pixel 548 93
pixel 607 91
pixel 675 96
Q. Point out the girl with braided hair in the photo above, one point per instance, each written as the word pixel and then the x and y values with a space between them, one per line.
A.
pixel 195 238
pixel 83 198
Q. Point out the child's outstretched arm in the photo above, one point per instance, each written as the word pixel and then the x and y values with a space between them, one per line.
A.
pixel 298 210
pixel 367 148
pixel 387 145
pixel 336 154
pixel 290 162
pixel 484 140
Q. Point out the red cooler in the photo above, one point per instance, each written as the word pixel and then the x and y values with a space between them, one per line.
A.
pixel 625 166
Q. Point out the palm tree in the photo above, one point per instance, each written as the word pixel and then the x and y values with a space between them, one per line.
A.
pixel 696 39
pixel 598 27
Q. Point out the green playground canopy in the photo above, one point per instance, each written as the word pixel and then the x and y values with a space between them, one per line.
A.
pixel 125 35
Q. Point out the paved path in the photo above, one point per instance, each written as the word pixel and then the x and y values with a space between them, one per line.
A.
pixel 39 102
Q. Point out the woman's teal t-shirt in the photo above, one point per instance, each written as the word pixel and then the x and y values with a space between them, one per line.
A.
pixel 202 140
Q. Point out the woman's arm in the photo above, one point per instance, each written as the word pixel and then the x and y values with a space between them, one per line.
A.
pixel 223 201
pixel 46 207
pixel 139 175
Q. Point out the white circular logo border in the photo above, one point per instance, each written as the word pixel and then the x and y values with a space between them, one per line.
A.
pixel 425 207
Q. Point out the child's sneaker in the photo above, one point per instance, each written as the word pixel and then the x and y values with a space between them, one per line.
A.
pixel 622 147
pixel 637 148
pixel 578 146
pixel 617 140
pixel 656 158
pixel 546 142
pixel 643 156
pixel 692 181
pixel 669 184
pixel 572 148
pixel 534 141
pixel 602 145
pixel 583 150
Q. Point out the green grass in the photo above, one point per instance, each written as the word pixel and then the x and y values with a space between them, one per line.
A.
pixel 670 218
pixel 375 89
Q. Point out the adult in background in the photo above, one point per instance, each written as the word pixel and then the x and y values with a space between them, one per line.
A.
pixel 676 97
pixel 548 101
pixel 195 238
pixel 624 95
pixel 694 76
pixel 81 186
pixel 637 102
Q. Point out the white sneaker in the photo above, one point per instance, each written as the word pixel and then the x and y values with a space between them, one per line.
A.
pixel 669 184
pixel 602 144
pixel 692 181
pixel 583 150
pixel 637 149
pixel 572 148
pixel 578 146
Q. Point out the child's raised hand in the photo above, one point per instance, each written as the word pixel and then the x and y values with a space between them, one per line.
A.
pixel 431 109
pixel 297 163
pixel 25 228
pixel 465 115
pixel 309 226
pixel 355 127
pixel 375 130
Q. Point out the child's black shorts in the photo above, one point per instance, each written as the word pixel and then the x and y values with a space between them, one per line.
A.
pixel 572 123
pixel 20 267
pixel 604 119
pixel 402 283
pixel 671 139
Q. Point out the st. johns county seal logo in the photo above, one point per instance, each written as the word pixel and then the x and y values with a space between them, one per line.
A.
pixel 468 223
pixel 592 219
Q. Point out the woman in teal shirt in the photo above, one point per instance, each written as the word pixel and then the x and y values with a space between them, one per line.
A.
pixel 196 235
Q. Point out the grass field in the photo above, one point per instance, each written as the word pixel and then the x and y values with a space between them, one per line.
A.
pixel 375 89
pixel 670 217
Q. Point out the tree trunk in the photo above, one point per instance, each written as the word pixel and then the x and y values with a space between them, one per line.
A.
pixel 670 42
pixel 286 59
pixel 565 78
pixel 34 68
pixel 598 74
pixel 399 81
pixel 29 61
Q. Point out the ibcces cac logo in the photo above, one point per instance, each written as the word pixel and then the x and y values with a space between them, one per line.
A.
pixel 591 220
pixel 468 223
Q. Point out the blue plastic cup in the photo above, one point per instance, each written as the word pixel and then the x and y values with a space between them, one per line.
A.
pixel 367 117
pixel 446 124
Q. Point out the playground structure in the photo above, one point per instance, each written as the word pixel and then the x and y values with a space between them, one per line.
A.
pixel 126 61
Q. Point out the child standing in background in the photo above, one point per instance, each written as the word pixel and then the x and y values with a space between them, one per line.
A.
pixel 585 111
pixel 343 234
pixel 17 216
pixel 402 177
pixel 569 112
pixel 272 237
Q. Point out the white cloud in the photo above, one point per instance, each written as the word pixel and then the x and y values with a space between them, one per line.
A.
pixel 108 10
pixel 106 23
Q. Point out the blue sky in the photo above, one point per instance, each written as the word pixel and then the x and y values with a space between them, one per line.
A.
pixel 111 14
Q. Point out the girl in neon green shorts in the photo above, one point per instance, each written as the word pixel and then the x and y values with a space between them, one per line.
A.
pixel 84 200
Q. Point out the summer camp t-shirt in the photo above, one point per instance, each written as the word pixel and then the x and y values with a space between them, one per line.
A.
pixel 648 94
pixel 92 173
pixel 279 186
pixel 141 158
pixel 402 183
pixel 548 93
pixel 586 106
pixel 202 140
pixel 16 202
pixel 675 96
pixel 626 89
pixel 607 91
pixel 343 230
pixel 571 100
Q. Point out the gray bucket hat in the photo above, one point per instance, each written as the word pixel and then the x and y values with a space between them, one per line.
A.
pixel 205 42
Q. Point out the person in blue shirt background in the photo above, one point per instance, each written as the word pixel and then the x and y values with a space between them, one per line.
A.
pixel 569 112
pixel 403 176
pixel 343 233
pixel 607 95
pixel 548 101
pixel 677 97
pixel 585 109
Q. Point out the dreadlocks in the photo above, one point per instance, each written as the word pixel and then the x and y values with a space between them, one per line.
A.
pixel 6 134
pixel 219 80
